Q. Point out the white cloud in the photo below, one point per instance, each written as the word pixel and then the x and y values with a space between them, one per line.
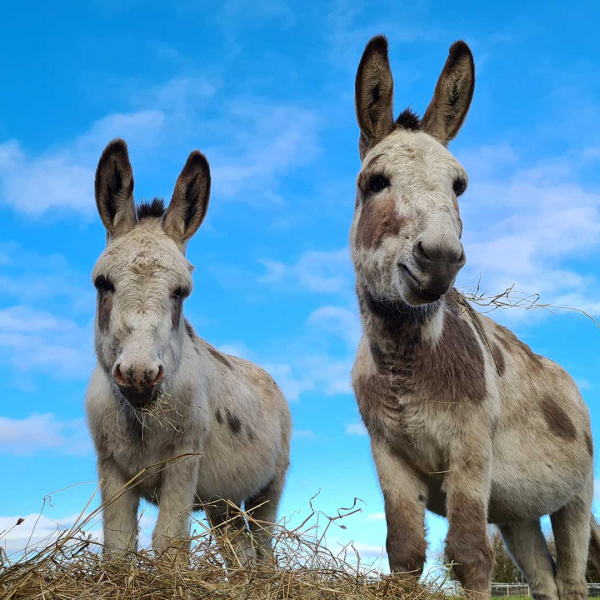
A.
pixel 291 384
pixel 256 141
pixel 274 138
pixel 37 341
pixel 339 321
pixel 238 349
pixel 525 226
pixel 43 432
pixel 63 179
pixel 303 434
pixel 18 533
pixel 316 271
pixel 356 429
pixel 380 516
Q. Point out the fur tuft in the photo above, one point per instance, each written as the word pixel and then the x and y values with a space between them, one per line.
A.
pixel 149 210
pixel 408 120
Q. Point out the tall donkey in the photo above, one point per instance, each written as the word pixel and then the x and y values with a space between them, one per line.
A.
pixel 159 391
pixel 464 419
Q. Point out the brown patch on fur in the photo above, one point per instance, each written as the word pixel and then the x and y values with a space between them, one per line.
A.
pixel 219 356
pixel 378 219
pixel 511 342
pixel 105 304
pixel 219 417
pixel 489 346
pixel 234 423
pixel 589 443
pixel 558 420
pixel 451 372
pixel 378 401
pixel 176 312
pixel 467 543
pixel 405 542
pixel 498 359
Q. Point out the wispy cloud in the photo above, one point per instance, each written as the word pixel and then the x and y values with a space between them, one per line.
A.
pixel 524 226
pixel 42 433
pixel 339 321
pixel 303 434
pixel 250 143
pixel 62 179
pixel 356 429
pixel 315 271
pixel 380 516
pixel 36 341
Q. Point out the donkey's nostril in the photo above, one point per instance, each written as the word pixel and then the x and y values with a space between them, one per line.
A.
pixel 120 376
pixel 421 250
pixel 160 375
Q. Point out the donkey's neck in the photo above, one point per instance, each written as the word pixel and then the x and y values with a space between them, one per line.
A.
pixel 394 329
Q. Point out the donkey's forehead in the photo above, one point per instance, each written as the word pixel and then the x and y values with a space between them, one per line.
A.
pixel 144 250
pixel 401 148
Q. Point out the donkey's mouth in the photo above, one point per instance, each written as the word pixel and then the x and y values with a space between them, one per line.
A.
pixel 415 287
pixel 139 400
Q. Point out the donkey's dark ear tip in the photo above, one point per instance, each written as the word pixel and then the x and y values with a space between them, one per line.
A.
pixel 458 50
pixel 378 44
pixel 197 160
pixel 114 148
pixel 116 145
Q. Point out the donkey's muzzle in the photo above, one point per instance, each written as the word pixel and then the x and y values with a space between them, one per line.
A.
pixel 435 263
pixel 138 383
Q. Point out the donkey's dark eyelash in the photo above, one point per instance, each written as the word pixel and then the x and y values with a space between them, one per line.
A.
pixel 459 186
pixel 180 293
pixel 377 183
pixel 103 285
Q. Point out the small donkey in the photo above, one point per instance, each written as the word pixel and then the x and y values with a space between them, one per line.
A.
pixel 159 391
pixel 464 419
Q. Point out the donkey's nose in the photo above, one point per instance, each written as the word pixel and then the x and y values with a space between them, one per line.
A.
pixel 438 259
pixel 439 251
pixel 138 377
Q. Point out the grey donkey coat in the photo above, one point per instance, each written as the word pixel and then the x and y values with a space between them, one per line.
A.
pixel 464 419
pixel 160 392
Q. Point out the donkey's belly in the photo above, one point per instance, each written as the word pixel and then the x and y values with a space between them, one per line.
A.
pixel 517 503
pixel 518 492
pixel 234 470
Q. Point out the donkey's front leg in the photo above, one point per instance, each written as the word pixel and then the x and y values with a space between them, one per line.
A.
pixel 119 509
pixel 405 497
pixel 467 488
pixel 175 503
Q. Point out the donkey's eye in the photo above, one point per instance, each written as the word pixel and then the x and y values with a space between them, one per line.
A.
pixel 179 294
pixel 103 285
pixel 378 183
pixel 459 186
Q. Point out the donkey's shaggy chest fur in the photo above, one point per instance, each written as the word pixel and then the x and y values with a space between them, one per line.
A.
pixel 424 381
pixel 226 412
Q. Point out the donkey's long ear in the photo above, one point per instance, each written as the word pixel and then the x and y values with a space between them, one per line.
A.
pixel 190 199
pixel 453 94
pixel 114 189
pixel 374 89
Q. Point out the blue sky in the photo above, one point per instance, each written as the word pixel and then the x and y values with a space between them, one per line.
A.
pixel 265 90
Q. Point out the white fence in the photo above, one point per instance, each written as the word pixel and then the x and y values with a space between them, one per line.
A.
pixel 516 589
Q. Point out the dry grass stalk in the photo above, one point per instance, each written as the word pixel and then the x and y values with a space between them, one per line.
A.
pixel 511 298
pixel 71 567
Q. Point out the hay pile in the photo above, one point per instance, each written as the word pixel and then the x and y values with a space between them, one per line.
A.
pixel 71 568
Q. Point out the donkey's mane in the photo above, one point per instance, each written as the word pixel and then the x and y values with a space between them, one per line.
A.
pixel 147 210
pixel 408 119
